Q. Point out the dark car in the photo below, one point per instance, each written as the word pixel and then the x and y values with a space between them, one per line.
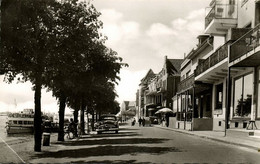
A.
pixel 107 123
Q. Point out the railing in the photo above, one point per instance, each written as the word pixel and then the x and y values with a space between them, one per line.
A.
pixel 245 44
pixel 219 55
pixel 220 11
pixel 186 83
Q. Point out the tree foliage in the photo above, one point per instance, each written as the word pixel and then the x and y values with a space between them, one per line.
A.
pixel 57 44
pixel 243 107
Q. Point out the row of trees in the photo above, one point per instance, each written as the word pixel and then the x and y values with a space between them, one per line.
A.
pixel 58 45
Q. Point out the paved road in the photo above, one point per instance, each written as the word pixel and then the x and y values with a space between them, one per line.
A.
pixel 7 154
pixel 145 145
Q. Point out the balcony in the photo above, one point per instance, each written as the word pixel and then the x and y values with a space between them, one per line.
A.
pixel 246 50
pixel 186 84
pixel 220 18
pixel 215 64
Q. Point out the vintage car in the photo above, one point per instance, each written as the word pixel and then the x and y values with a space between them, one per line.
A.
pixel 107 122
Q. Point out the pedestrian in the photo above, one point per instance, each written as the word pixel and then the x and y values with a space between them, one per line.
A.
pixel 143 121
pixel 72 127
pixel 133 122
pixel 167 120
pixel 140 121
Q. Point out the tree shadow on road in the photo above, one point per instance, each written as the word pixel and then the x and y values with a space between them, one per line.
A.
pixel 115 162
pixel 113 141
pixel 120 134
pixel 129 129
pixel 106 151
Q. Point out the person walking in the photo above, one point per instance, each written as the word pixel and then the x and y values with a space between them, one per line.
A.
pixel 143 121
pixel 133 122
pixel 140 121
pixel 72 127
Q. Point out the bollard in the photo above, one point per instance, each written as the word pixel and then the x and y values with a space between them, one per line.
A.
pixel 46 139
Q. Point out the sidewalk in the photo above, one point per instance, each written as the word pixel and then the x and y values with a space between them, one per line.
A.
pixel 244 141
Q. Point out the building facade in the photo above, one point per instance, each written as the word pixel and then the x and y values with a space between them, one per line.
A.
pixel 141 112
pixel 160 88
pixel 214 93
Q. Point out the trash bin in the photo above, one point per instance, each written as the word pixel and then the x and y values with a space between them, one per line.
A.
pixel 46 139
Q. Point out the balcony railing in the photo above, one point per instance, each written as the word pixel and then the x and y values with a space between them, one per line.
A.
pixel 186 83
pixel 245 44
pixel 220 11
pixel 219 55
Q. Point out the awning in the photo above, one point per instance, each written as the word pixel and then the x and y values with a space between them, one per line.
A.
pixel 164 110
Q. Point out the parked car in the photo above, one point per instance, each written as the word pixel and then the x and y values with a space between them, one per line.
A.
pixel 154 119
pixel 107 122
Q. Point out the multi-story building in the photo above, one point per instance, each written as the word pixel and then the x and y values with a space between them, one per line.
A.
pixel 237 72
pixel 161 88
pixel 222 62
pixel 193 100
pixel 244 86
pixel 141 112
pixel 128 108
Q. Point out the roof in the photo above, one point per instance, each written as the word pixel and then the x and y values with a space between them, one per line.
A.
pixel 131 103
pixel 126 103
pixel 200 47
pixel 174 66
pixel 148 76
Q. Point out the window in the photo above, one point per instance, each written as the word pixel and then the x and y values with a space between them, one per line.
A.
pixel 183 101
pixel 243 96
pixel 258 109
pixel 208 102
pixel 174 104
pixel 188 74
pixel 219 96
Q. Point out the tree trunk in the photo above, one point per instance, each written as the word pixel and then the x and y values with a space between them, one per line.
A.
pixel 62 100
pixel 93 119
pixel 37 116
pixel 82 120
pixel 76 115
pixel 87 120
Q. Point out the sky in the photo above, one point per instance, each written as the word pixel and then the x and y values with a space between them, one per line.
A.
pixel 142 32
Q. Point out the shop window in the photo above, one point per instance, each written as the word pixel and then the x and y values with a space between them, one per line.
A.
pixel 183 106
pixel 244 124
pixel 219 96
pixel 179 103
pixel 174 104
pixel 243 90
pixel 258 102
pixel 208 103
pixel 236 124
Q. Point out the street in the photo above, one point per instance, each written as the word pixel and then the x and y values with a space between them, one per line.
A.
pixel 140 145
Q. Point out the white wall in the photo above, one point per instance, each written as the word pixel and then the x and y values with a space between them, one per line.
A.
pixel 246 13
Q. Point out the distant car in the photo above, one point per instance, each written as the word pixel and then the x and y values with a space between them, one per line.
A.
pixel 107 123
pixel 154 120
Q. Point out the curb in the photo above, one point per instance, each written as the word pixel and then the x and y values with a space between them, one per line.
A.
pixel 212 138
